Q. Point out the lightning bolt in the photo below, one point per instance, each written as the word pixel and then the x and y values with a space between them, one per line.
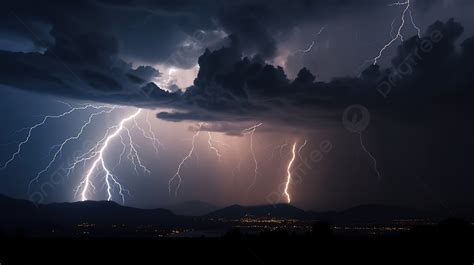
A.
pixel 251 131
pixel 236 169
pixel 190 153
pixel 392 27
pixel 288 170
pixel 96 153
pixel 301 148
pixel 308 49
pixel 61 146
pixel 212 147
pixel 399 34
pixel 169 80
pixel 133 154
pixel 321 30
pixel 282 147
pixel 418 30
pixel 43 122
pixel 91 153
pixel 99 162
pixel 313 42
pixel 153 137
pixel 370 155
pixel 149 134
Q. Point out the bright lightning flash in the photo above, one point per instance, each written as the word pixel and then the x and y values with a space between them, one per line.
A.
pixel 399 34
pixel 99 163
pixel 313 42
pixel 288 171
pixel 96 153
pixel 43 122
pixel 61 146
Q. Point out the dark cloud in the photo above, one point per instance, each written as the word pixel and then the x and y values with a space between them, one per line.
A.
pixel 151 31
pixel 83 59
pixel 166 32
pixel 145 32
pixel 143 74
pixel 425 73
pixel 172 32
pixel 261 24
pixel 88 69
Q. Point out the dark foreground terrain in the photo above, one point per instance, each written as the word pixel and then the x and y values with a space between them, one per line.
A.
pixel 107 233
pixel 451 242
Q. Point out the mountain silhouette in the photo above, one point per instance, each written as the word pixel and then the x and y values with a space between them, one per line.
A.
pixel 105 214
pixel 381 214
pixel 277 210
pixel 192 208
pixel 355 215
pixel 21 213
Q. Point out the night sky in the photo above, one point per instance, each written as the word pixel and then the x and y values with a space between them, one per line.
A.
pixel 243 82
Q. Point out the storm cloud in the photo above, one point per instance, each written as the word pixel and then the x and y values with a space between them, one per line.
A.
pixel 234 64
pixel 236 82
pixel 426 73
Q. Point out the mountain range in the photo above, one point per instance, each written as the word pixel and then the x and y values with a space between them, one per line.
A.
pixel 22 213
pixel 192 208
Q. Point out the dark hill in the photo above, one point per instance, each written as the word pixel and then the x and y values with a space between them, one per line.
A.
pixel 192 208
pixel 26 215
pixel 277 210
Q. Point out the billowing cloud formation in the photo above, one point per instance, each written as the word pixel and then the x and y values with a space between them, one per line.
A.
pixel 260 24
pixel 425 73
pixel 83 59
pixel 152 32
pixel 89 70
